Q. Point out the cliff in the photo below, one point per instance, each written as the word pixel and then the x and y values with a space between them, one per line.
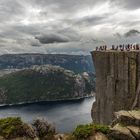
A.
pixel 117 83
pixel 43 83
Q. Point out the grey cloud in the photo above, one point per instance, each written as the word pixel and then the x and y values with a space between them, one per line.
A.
pixel 52 38
pixel 128 4
pixel 130 23
pixel 67 5
pixel 90 20
pixel 62 23
pixel 131 33
pixel 9 10
pixel 118 35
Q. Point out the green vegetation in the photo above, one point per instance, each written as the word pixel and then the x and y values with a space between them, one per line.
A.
pixel 42 83
pixel 9 127
pixel 36 85
pixel 84 131
pixel 13 127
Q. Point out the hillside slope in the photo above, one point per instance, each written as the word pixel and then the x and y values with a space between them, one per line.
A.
pixel 43 83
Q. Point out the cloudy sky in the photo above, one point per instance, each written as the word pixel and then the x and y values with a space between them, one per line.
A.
pixel 67 26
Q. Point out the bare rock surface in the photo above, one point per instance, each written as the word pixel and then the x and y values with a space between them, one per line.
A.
pixel 117 83
pixel 135 131
pixel 121 133
pixel 126 125
pixel 98 136
pixel 128 117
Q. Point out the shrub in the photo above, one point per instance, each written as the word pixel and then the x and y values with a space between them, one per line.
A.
pixel 43 127
pixel 84 131
pixel 101 128
pixel 10 126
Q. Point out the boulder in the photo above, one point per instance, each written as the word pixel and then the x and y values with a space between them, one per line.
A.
pixel 60 137
pixel 2 138
pixel 128 117
pixel 135 131
pixel 98 136
pixel 119 132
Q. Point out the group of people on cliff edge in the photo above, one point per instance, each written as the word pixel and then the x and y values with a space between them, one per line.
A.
pixel 123 47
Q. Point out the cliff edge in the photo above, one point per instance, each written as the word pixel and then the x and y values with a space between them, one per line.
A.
pixel 117 83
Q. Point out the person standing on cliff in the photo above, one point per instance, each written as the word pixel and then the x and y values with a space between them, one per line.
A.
pixel 97 48
pixel 113 47
pixel 105 47
pixel 137 46
pixel 127 47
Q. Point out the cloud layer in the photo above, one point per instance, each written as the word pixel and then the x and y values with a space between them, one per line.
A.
pixel 67 26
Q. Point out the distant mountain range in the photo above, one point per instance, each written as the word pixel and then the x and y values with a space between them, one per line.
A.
pixel 76 63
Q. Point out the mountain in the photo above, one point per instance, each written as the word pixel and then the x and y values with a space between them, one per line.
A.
pixel 76 63
pixel 43 83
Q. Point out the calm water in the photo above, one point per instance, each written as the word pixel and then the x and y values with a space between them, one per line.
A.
pixel 65 115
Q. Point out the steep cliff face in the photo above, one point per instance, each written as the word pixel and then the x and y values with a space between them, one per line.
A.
pixel 117 83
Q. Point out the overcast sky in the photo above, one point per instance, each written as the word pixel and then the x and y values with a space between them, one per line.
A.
pixel 67 26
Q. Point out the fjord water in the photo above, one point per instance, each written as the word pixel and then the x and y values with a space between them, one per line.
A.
pixel 65 115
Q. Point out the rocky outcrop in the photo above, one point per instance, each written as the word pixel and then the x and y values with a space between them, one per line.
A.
pixel 98 136
pixel 117 83
pixel 120 129
pixel 126 126
pixel 128 117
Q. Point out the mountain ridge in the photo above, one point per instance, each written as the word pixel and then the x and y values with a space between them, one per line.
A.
pixel 76 63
